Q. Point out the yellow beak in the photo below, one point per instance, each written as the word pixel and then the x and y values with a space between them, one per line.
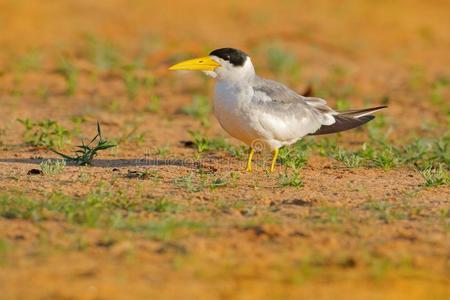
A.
pixel 197 64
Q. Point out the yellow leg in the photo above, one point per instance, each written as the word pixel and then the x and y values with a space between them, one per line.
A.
pixel 249 161
pixel 274 160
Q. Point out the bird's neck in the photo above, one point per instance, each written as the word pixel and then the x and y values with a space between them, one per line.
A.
pixel 236 80
pixel 244 76
pixel 233 92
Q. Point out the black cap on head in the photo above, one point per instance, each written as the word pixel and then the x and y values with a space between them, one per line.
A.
pixel 234 56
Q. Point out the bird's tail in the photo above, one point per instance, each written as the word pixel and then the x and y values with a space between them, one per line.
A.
pixel 349 119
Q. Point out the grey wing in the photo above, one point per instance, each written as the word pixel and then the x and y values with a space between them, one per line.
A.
pixel 276 91
pixel 285 115
pixel 279 98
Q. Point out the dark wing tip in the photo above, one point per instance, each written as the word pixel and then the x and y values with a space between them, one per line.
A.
pixel 343 123
pixel 353 112
pixel 366 119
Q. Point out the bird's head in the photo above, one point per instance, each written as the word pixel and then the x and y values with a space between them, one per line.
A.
pixel 224 64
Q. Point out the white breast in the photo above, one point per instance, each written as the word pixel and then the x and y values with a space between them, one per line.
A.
pixel 232 108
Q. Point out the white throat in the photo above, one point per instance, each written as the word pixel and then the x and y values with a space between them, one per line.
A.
pixel 235 74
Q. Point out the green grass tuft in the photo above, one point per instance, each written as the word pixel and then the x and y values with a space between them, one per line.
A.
pixel 294 157
pixel 154 104
pixel 203 144
pixel 52 167
pixel 200 108
pixel 436 176
pixel 282 62
pixel 162 151
pixel 190 182
pixel 31 61
pixel 294 179
pixel 102 53
pixel 45 133
pixel 349 159
pixel 163 205
pixel 70 74
pixel 86 152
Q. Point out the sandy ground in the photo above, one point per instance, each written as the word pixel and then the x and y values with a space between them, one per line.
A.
pixel 360 233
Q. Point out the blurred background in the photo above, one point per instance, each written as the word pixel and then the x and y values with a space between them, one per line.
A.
pixel 351 52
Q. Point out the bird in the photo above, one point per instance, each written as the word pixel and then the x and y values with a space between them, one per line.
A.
pixel 266 114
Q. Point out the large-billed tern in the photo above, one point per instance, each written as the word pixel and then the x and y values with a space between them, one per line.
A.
pixel 266 114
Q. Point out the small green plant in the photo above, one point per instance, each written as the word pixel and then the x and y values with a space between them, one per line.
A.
pixel 17 207
pixel 77 121
pixel 342 104
pixel 415 152
pixel 281 61
pixel 350 160
pixel 135 81
pixel 418 78
pixel 86 152
pixel 114 105
pixel 43 92
pixel 162 205
pixel 162 151
pixel 436 176
pixel 336 85
pixel 2 135
pixel 154 104
pixel 293 157
pixel 293 179
pixel 131 80
pixel 208 180
pixel 131 133
pixel 386 211
pixel 4 247
pixel 387 158
pixel 328 214
pixel 45 133
pixel 382 209
pixel 102 53
pixel 190 182
pixel 199 109
pixel 70 74
pixel 200 142
pixel 169 228
pixel 203 144
pixel 144 175
pixel 52 167
pixel 31 61
pixel 218 182
pixel 198 182
pixel 326 146
pixel 438 90
pixel 440 151
pixel 378 130
pixel 237 151
pixel 84 178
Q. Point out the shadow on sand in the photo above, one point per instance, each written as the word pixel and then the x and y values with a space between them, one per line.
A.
pixel 117 163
